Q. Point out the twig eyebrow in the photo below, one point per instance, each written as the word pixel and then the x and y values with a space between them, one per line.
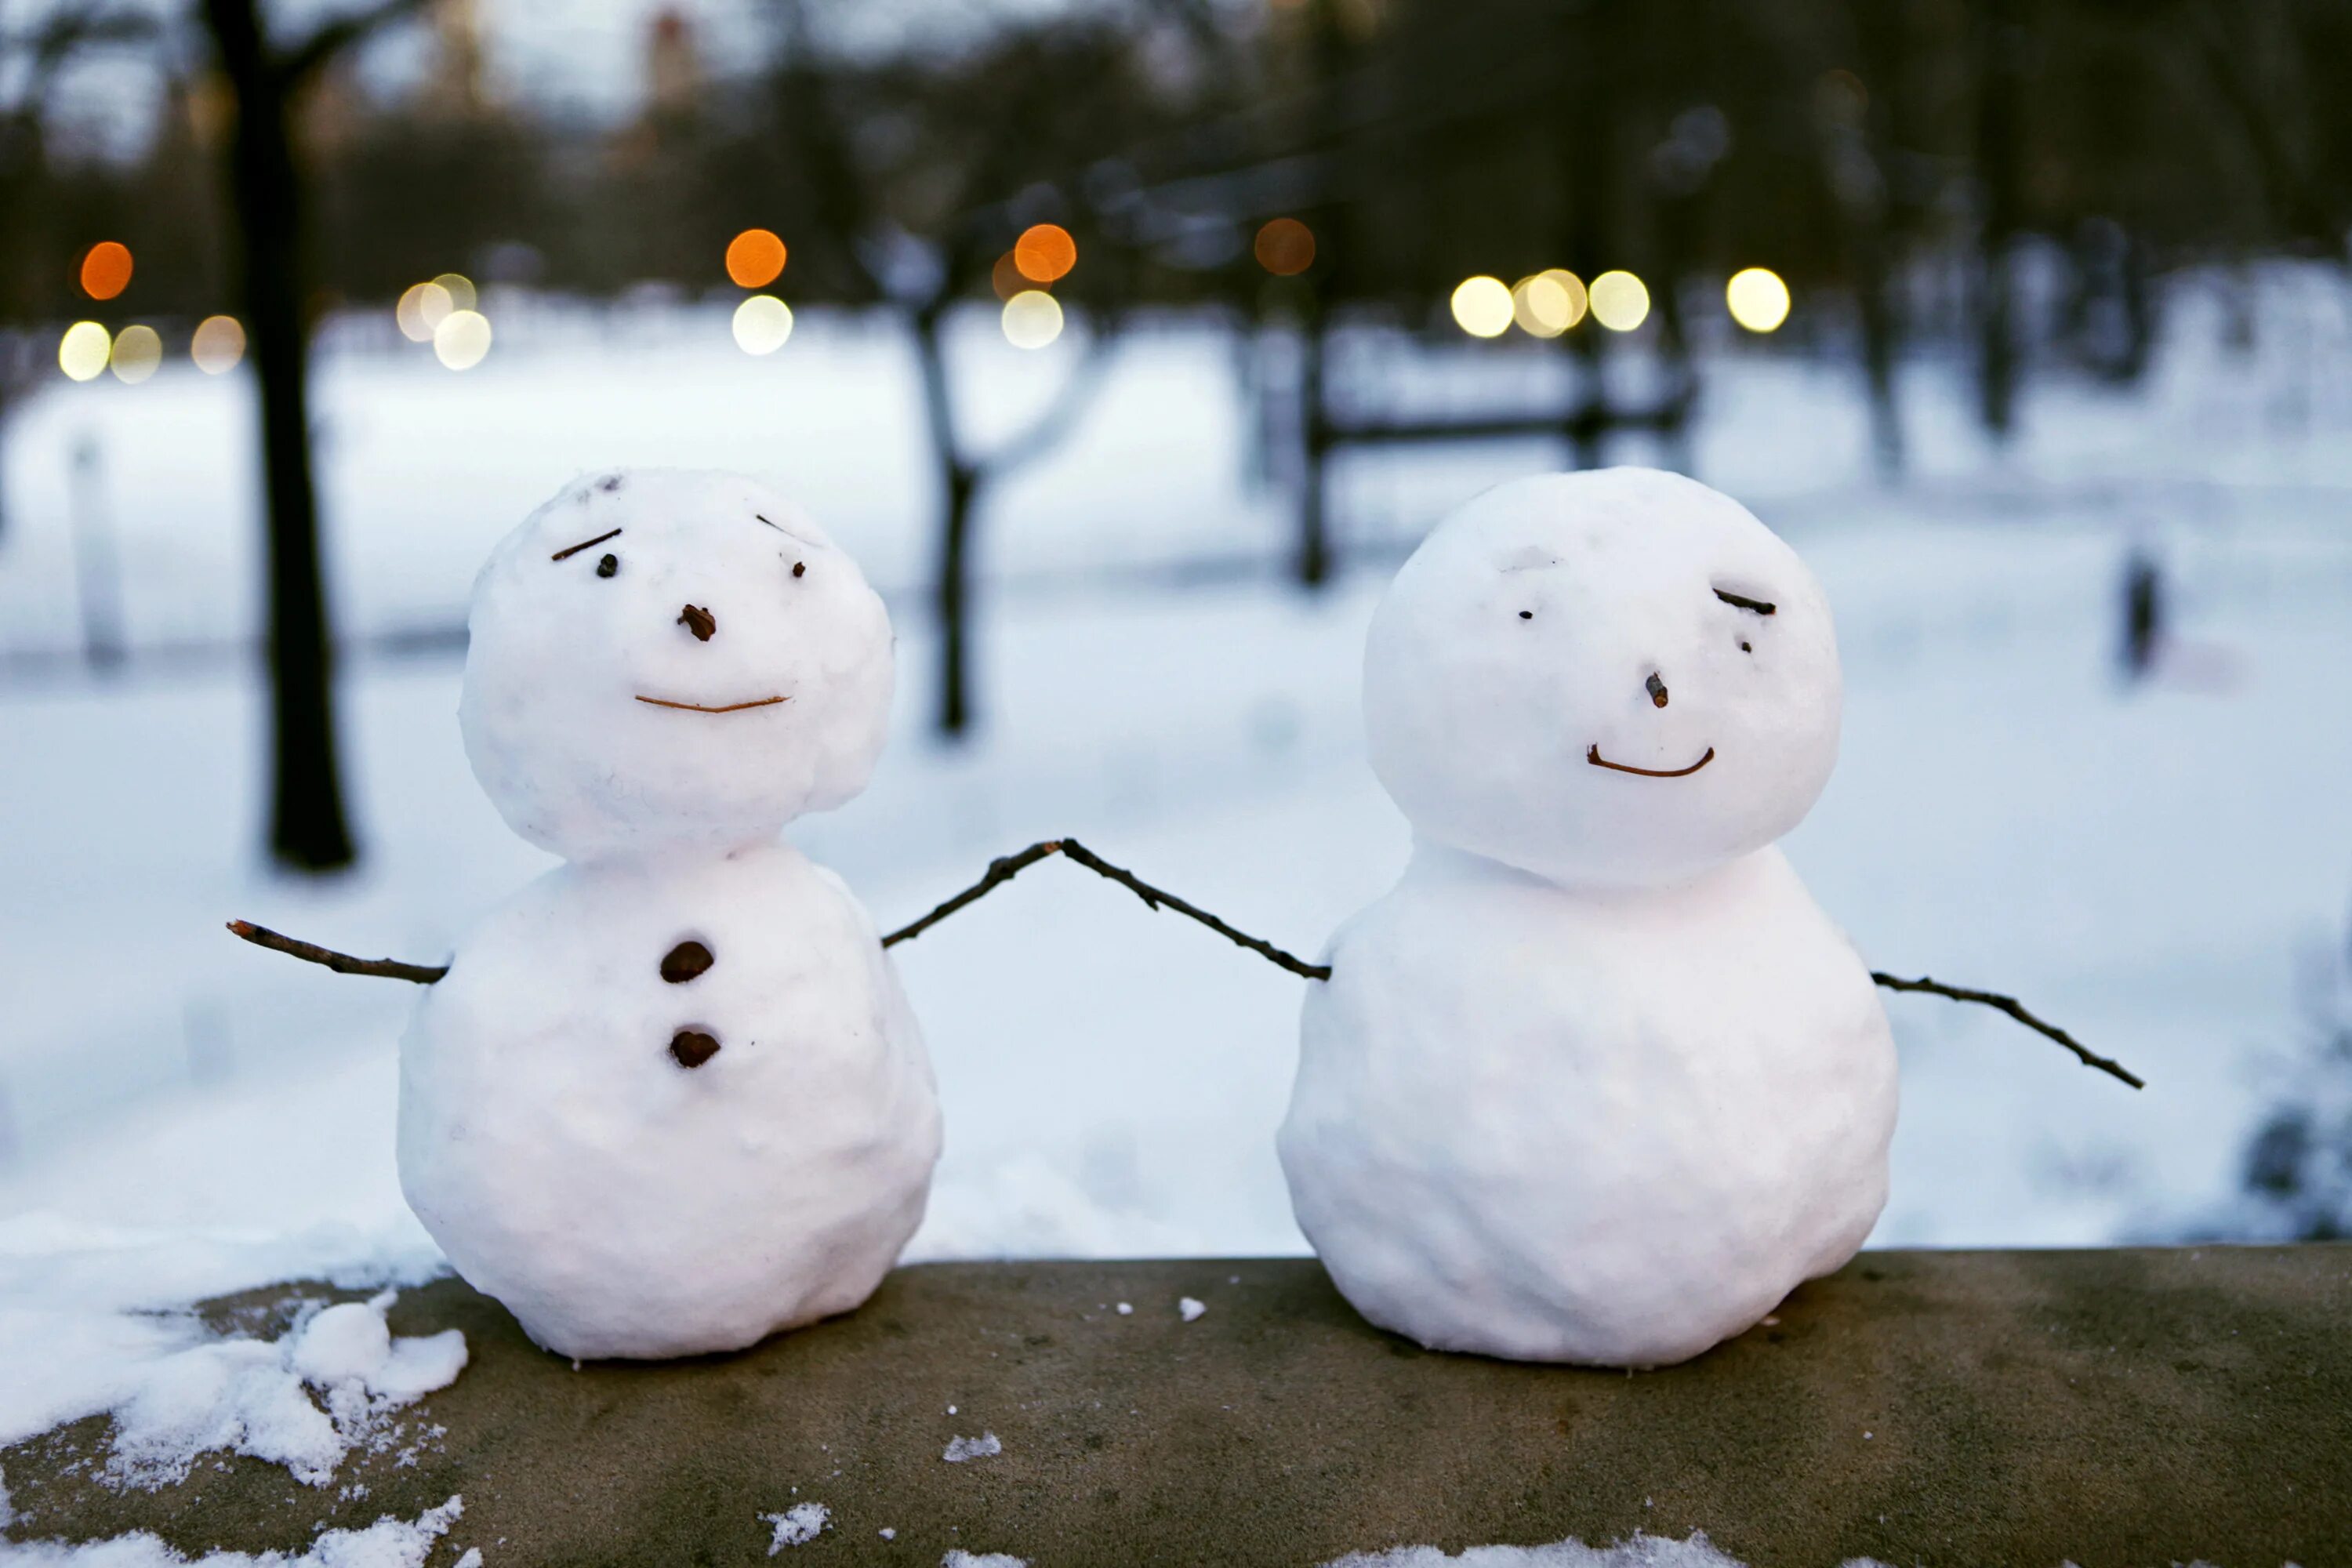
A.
pixel 763 518
pixel 584 544
pixel 1761 607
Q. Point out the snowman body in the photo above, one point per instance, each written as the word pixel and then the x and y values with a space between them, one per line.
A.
pixel 1598 1081
pixel 669 1097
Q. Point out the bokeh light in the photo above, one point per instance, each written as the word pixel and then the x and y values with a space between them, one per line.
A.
pixel 1286 248
pixel 755 258
pixel 1044 252
pixel 219 345
pixel 83 352
pixel 1005 276
pixel 1481 306
pixel 762 322
pixel 1759 300
pixel 1033 319
pixel 1548 303
pixel 138 350
pixel 421 308
pixel 1620 301
pixel 462 339
pixel 106 270
pixel 460 290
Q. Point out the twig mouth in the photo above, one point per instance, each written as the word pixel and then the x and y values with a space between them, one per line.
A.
pixel 705 708
pixel 1592 755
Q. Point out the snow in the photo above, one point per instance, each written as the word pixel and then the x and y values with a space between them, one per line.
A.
pixel 1190 1308
pixel 987 1446
pixel 180 1392
pixel 186 1117
pixel 797 1525
pixel 387 1543
pixel 958 1557
pixel 1639 1551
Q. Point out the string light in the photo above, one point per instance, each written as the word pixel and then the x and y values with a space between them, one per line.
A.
pixel 755 258
pixel 83 352
pixel 1044 252
pixel 1758 298
pixel 1033 319
pixel 105 270
pixel 1481 306
pixel 762 324
pixel 138 353
pixel 219 345
pixel 1285 247
pixel 1619 302
pixel 462 339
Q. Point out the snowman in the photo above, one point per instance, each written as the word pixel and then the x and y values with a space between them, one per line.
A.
pixel 669 1097
pixel 1597 1082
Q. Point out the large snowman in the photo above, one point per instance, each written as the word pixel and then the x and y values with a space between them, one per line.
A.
pixel 669 1097
pixel 1597 1082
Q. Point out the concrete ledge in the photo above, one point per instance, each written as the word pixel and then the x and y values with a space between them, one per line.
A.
pixel 2128 1406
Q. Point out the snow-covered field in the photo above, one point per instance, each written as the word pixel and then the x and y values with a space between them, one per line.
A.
pixel 182 1114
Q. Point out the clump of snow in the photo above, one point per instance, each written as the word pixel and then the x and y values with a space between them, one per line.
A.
pixel 958 1557
pixel 254 1396
pixel 8 1512
pixel 1638 1552
pixel 1189 1308
pixel 797 1525
pixel 983 1447
pixel 387 1543
pixel 1126 1309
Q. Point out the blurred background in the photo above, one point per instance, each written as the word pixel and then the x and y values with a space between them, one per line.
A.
pixel 1129 345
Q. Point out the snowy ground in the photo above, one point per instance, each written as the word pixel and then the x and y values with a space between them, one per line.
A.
pixel 2147 867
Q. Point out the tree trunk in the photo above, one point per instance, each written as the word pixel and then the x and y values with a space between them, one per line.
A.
pixel 2000 158
pixel 959 485
pixel 1313 565
pixel 307 827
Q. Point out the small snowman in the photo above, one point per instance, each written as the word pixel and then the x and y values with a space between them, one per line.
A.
pixel 669 1097
pixel 1597 1082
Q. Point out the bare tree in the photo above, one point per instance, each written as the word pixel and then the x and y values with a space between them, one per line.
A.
pixel 308 830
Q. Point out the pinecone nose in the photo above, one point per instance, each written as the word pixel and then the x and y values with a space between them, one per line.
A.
pixel 1657 689
pixel 702 622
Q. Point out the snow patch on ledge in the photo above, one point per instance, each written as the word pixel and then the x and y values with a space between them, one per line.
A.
pixel 387 1543
pixel 1638 1552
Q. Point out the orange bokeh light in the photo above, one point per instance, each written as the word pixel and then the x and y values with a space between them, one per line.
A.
pixel 1005 276
pixel 1286 248
pixel 106 270
pixel 1045 251
pixel 754 258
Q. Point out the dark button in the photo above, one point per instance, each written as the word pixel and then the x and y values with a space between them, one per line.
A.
pixel 692 1048
pixel 686 962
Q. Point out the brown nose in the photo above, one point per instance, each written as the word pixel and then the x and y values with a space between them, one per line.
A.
pixel 1657 689
pixel 702 623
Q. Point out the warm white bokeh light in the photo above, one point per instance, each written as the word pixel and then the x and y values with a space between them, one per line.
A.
pixel 460 290
pixel 1759 300
pixel 138 350
pixel 422 310
pixel 762 322
pixel 83 352
pixel 462 339
pixel 1619 302
pixel 1032 318
pixel 1481 306
pixel 219 345
pixel 1548 303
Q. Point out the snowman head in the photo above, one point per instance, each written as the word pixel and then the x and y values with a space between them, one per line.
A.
pixel 1608 678
pixel 662 660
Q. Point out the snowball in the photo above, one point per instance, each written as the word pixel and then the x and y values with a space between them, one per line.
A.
pixel 620 1203
pixel 661 660
pixel 797 1525
pixel 984 1447
pixel 344 1343
pixel 1521 639
pixel 1189 1309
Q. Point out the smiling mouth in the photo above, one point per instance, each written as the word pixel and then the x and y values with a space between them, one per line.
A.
pixel 1592 755
pixel 705 708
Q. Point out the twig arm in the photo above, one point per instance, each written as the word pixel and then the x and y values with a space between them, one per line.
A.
pixel 2015 1009
pixel 341 963
pixel 1003 870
